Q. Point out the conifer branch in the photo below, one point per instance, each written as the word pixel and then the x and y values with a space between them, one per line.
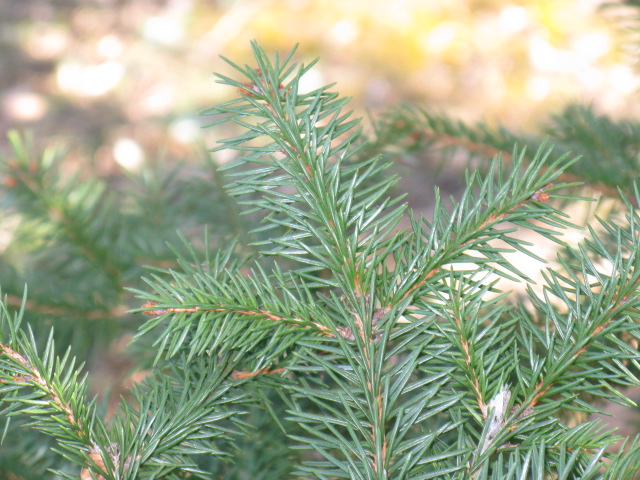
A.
pixel 395 352
pixel 48 389
pixel 177 413
pixel 388 348
pixel 577 131
pixel 37 183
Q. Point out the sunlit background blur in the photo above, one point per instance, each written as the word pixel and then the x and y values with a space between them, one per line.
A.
pixel 122 81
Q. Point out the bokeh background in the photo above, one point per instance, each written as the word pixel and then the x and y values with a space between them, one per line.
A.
pixel 121 82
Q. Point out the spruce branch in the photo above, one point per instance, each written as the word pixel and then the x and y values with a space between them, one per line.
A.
pixel 307 140
pixel 88 236
pixel 49 389
pixel 607 147
pixel 397 355
pixel 177 412
pixel 395 352
pixel 181 412
pixel 76 208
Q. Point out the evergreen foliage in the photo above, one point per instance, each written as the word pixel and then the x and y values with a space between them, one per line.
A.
pixel 350 337
pixel 607 148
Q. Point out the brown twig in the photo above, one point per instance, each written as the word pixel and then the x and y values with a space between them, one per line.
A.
pixel 344 332
pixel 240 375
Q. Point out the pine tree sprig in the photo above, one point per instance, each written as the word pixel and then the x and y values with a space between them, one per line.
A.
pixel 78 207
pixel 48 389
pixel 605 145
pixel 389 338
pixel 415 365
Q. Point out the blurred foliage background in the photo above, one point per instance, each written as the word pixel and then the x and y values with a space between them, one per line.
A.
pixel 121 81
